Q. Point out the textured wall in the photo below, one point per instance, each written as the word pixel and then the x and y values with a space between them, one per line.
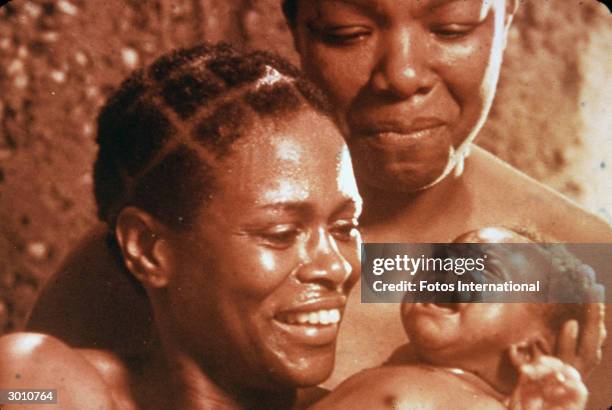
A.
pixel 60 58
pixel 551 116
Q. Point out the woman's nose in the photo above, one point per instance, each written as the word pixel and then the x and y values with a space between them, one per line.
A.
pixel 325 264
pixel 402 69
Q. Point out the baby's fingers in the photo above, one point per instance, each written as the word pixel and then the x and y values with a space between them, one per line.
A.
pixel 581 347
pixel 567 342
pixel 593 334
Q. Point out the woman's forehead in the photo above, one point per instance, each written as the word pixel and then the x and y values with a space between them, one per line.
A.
pixel 299 131
pixel 302 142
pixel 382 5
pixel 289 160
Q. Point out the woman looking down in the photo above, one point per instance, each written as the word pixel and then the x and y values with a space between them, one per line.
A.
pixel 230 198
pixel 412 82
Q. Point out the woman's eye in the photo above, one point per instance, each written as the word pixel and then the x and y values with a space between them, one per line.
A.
pixel 281 238
pixel 342 35
pixel 345 230
pixel 453 31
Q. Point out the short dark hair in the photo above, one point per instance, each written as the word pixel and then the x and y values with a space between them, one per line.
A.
pixel 569 280
pixel 570 283
pixel 161 132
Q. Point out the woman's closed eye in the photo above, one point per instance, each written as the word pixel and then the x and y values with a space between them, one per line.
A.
pixel 452 31
pixel 279 237
pixel 345 230
pixel 341 35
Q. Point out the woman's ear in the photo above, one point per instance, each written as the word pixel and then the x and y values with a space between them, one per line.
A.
pixel 528 351
pixel 145 251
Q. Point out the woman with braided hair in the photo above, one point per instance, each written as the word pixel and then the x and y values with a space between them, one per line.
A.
pixel 230 199
pixel 412 83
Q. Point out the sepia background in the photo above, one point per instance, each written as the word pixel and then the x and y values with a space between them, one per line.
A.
pixel 59 59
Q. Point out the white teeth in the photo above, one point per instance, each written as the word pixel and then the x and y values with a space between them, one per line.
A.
pixel 334 316
pixel 318 317
pixel 324 317
pixel 313 318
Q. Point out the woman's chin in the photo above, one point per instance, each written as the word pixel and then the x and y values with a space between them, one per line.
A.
pixel 309 378
pixel 402 163
pixel 402 178
pixel 309 370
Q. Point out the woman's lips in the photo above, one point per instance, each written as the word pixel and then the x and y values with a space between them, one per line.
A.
pixel 314 323
pixel 318 317
pixel 396 138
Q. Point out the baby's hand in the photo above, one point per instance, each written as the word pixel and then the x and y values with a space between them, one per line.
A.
pixel 548 383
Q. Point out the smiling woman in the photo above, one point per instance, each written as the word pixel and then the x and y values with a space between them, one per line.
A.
pixel 412 82
pixel 230 197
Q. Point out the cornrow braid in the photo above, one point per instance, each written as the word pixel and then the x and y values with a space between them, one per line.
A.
pixel 570 283
pixel 162 133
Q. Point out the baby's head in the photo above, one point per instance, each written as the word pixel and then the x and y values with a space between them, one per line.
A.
pixel 484 337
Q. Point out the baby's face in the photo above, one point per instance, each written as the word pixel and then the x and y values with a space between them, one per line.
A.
pixel 453 334
pixel 457 334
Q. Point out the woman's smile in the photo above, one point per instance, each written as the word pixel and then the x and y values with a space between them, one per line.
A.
pixel 314 322
pixel 275 252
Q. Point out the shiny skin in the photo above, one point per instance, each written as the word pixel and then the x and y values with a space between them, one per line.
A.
pixel 414 80
pixel 278 235
pixel 471 332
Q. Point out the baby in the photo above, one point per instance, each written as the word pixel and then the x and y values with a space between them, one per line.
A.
pixel 481 355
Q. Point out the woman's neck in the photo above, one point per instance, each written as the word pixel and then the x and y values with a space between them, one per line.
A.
pixel 414 213
pixel 193 388
pixel 193 383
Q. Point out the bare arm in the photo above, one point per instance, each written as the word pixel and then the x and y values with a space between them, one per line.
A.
pixel 90 300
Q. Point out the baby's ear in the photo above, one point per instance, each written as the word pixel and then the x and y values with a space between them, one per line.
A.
pixel 528 351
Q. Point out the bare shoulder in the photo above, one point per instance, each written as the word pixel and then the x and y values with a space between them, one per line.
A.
pixel 405 387
pixel 85 301
pixel 37 361
pixel 501 187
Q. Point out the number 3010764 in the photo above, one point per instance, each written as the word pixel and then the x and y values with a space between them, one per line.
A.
pixel 8 396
